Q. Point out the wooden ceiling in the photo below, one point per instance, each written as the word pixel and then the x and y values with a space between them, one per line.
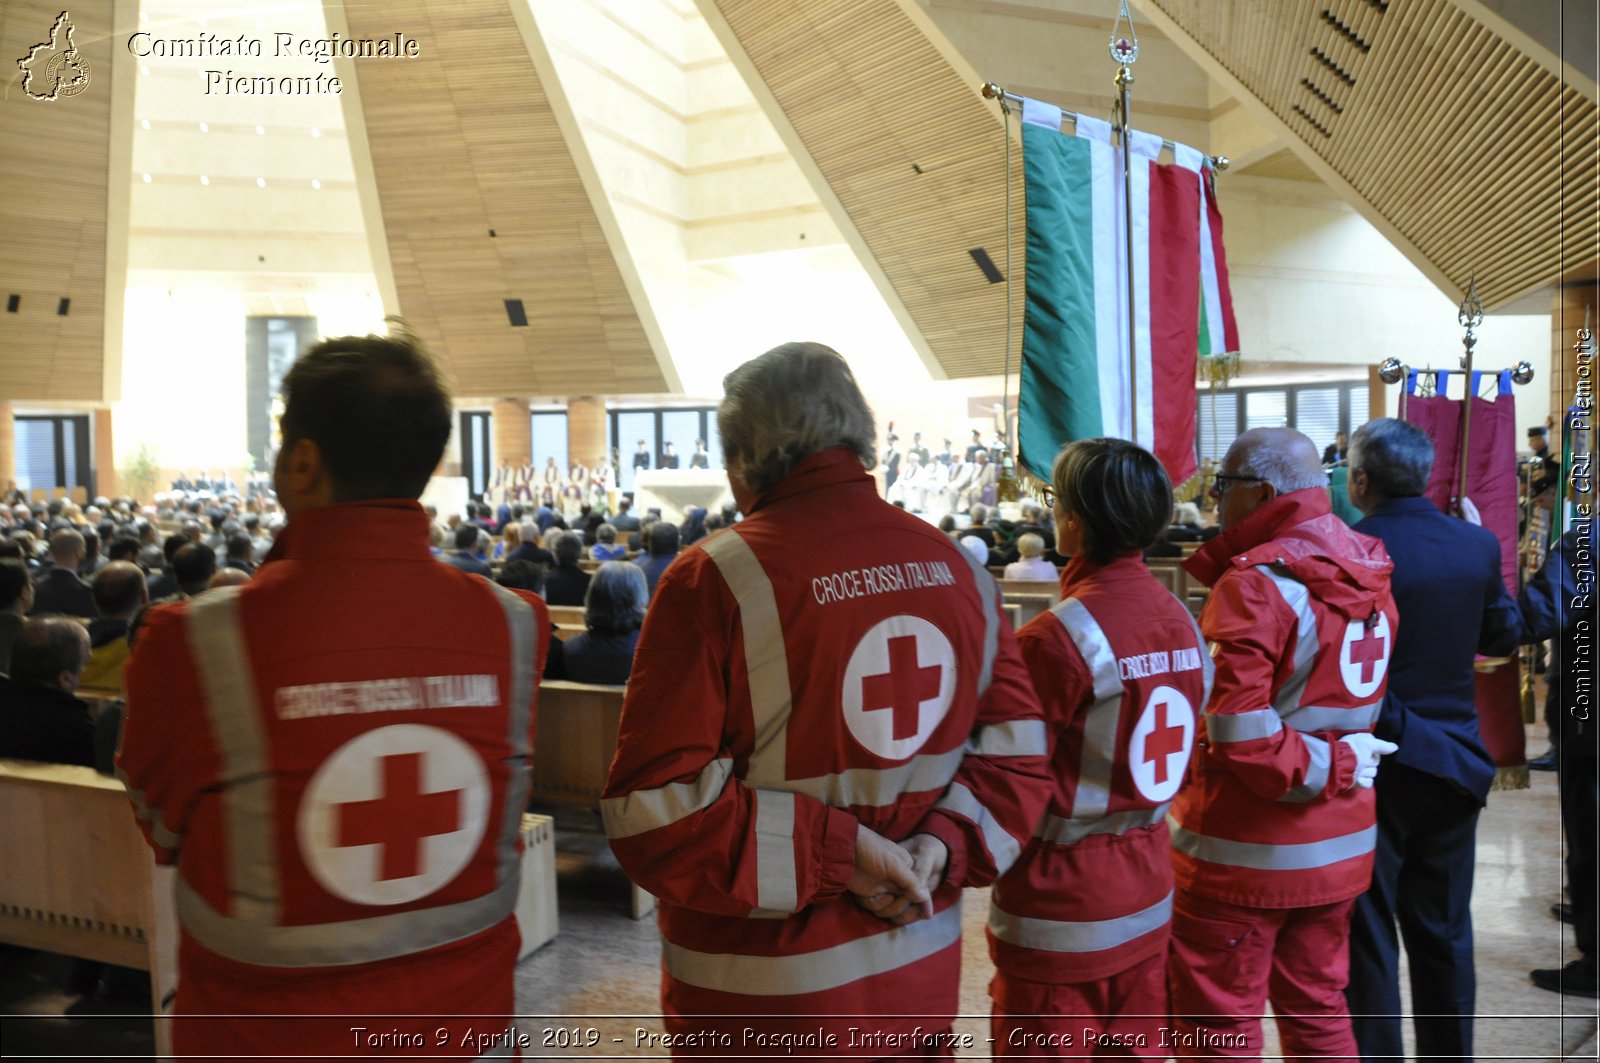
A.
pixel 482 202
pixel 1469 154
pixel 915 158
pixel 53 208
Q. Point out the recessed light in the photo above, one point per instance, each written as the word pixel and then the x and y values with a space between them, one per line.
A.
pixel 315 183
pixel 204 128
pixel 261 130
pixel 261 182
pixel 146 178
pixel 204 179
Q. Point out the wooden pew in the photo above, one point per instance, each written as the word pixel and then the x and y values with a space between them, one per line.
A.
pixel 78 878
pixel 572 751
pixel 1030 596
pixel 567 615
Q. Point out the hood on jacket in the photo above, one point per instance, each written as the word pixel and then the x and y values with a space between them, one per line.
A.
pixel 1297 532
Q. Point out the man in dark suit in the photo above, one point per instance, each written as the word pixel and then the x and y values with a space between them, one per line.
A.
pixel 567 583
pixel 622 520
pixel 40 716
pixel 641 457
pixel 62 590
pixel 699 459
pixel 669 457
pixel 465 555
pixel 1453 604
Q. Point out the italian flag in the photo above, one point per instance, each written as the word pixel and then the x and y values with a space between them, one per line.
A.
pixel 1075 372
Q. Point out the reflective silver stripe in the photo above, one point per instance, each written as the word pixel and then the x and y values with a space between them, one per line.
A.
pixel 1243 726
pixel 1311 718
pixel 1059 831
pixel 1208 667
pixel 381 937
pixel 776 890
pixel 523 631
pixel 159 831
pixel 877 787
pixel 1013 738
pixel 645 810
pixel 1316 772
pixel 765 658
pixel 216 642
pixel 1051 935
pixel 1100 722
pixel 813 972
pixel 989 595
pixel 1298 599
pixel 1002 846
pixel 1267 857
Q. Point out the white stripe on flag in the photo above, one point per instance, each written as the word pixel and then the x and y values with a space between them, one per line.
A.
pixel 1040 113
pixel 1146 146
pixel 1105 183
pixel 1214 341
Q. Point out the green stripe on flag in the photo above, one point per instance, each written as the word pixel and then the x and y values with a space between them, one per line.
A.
pixel 1059 399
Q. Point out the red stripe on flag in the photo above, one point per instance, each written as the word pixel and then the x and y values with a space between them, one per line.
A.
pixel 1174 313
pixel 1230 326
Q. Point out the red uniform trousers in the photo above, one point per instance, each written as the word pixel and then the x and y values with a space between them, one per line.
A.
pixel 1122 1015
pixel 1228 960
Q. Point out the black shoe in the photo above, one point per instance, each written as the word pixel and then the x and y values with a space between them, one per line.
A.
pixel 1544 763
pixel 1564 912
pixel 1575 980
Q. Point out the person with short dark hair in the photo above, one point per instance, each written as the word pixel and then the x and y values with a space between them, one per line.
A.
pixel 613 611
pixel 1079 927
pixel 193 566
pixel 567 582
pixel 1453 606
pixel 61 590
pixel 163 583
pixel 119 592
pixel 16 598
pixel 693 528
pixel 1337 451
pixel 465 555
pixel 660 549
pixel 241 553
pixel 41 718
pixel 124 548
pixel 606 547
pixel 622 519
pixel 357 718
pixel 700 459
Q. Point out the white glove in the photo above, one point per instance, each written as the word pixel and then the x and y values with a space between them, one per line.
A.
pixel 1469 512
pixel 1367 749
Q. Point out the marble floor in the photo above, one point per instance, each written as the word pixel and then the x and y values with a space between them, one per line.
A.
pixel 601 971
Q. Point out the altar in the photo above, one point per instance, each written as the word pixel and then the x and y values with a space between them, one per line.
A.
pixel 674 490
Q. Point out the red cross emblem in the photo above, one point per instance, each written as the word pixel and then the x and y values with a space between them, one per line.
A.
pixel 1162 742
pixel 1367 651
pixel 1158 749
pixel 401 817
pixel 898 685
pixel 1364 657
pixel 394 814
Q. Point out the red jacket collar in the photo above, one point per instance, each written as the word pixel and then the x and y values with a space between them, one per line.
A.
pixel 372 529
pixel 1080 570
pixel 825 468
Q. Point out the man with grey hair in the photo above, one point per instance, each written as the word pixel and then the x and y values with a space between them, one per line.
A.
pixel 1273 835
pixel 62 590
pixel 1453 605
pixel 799 703
pixel 41 717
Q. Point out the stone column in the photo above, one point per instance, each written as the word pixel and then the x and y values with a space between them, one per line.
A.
pixel 513 434
pixel 586 429
pixel 104 479
pixel 8 445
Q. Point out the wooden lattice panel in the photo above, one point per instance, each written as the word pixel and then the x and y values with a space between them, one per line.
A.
pixel 463 141
pixel 1472 154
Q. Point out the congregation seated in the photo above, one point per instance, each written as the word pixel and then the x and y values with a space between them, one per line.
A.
pixel 465 556
pixel 119 592
pixel 227 577
pixel 975 546
pixel 61 590
pixel 566 583
pixel 622 520
pixel 192 567
pixel 520 575
pixel 1031 564
pixel 613 612
pixel 241 553
pixel 41 718
pixel 528 548
pixel 661 548
pixel 693 528
pixel 16 598
pixel 606 547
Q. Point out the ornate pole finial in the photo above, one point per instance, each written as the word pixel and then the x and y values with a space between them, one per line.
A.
pixel 1124 42
pixel 1470 313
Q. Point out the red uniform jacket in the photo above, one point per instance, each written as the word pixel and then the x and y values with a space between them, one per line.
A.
pixel 1123 674
pixel 335 755
pixel 830 661
pixel 1301 625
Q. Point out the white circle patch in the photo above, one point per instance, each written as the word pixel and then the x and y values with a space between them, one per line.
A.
pixel 1158 751
pixel 898 685
pixel 394 814
pixel 1364 657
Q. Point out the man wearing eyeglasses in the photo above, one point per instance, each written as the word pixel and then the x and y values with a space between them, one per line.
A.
pixel 1273 835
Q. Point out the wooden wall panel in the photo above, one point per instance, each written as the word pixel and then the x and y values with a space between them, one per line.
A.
pixel 53 181
pixel 464 140
pixel 1465 150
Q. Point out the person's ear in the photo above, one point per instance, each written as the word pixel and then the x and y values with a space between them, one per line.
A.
pixel 303 467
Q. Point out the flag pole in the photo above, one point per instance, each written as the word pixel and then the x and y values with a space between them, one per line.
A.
pixel 1125 51
pixel 1469 316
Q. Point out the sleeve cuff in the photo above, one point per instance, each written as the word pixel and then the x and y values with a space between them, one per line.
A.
pixel 1342 775
pixel 955 841
pixel 836 855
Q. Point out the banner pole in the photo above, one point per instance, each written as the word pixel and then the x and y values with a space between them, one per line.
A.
pixel 1125 51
